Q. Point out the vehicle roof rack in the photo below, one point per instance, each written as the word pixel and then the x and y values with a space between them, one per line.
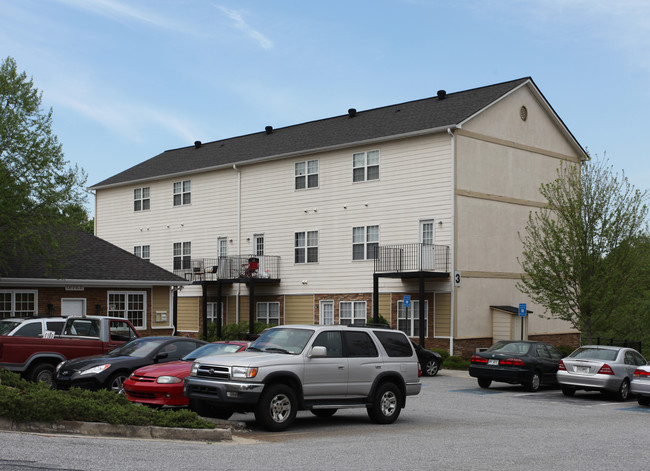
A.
pixel 371 325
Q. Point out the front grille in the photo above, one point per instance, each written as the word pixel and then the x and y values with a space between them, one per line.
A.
pixel 141 395
pixel 213 372
pixel 143 379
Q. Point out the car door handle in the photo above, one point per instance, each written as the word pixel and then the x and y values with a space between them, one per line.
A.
pixel 341 367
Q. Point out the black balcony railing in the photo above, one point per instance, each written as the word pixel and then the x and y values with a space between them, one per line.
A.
pixel 231 268
pixel 403 258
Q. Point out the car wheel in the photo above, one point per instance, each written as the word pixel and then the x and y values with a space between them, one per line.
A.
pixel 431 368
pixel 484 382
pixel 643 400
pixel 568 391
pixel 205 409
pixel 534 383
pixel 42 372
pixel 324 412
pixel 623 391
pixel 387 404
pixel 276 409
pixel 116 382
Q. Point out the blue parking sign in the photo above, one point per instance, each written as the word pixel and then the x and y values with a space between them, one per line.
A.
pixel 522 310
pixel 407 300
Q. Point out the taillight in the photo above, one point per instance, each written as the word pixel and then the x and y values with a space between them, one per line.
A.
pixel 478 359
pixel 512 362
pixel 419 370
pixel 641 373
pixel 605 370
pixel 561 366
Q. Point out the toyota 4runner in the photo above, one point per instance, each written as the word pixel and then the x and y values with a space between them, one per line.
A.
pixel 316 368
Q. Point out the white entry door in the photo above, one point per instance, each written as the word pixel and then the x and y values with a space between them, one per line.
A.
pixel 73 307
pixel 428 252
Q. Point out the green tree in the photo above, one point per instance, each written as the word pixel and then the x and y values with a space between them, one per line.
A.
pixel 580 254
pixel 40 193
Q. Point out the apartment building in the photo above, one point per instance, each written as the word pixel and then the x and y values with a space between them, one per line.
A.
pixel 410 212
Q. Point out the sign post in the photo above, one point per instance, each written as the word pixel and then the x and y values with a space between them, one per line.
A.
pixel 522 314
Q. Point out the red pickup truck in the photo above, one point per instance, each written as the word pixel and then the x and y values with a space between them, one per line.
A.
pixel 35 358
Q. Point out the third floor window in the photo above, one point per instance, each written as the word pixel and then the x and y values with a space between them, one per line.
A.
pixel 182 192
pixel 306 174
pixel 365 166
pixel 141 200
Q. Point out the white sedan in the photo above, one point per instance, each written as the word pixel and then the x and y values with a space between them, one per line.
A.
pixel 640 385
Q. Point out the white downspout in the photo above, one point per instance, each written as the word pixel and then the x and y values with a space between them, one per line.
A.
pixel 453 238
pixel 234 166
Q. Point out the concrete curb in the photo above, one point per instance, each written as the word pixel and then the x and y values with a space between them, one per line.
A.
pixel 95 429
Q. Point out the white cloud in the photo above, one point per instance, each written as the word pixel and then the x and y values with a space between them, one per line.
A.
pixel 241 24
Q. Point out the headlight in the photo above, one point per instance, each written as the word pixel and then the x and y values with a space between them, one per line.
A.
pixel 58 367
pixel 243 372
pixel 168 380
pixel 95 369
pixel 195 368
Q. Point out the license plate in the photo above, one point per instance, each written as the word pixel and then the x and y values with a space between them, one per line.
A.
pixel 582 369
pixel 493 362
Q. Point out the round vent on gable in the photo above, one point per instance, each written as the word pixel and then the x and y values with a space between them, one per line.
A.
pixel 523 113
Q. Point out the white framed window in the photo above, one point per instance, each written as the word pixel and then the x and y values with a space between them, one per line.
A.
pixel 306 174
pixel 408 318
pixel 182 255
pixel 352 312
pixel 258 244
pixel 365 166
pixel 326 310
pixel 130 305
pixel 142 251
pixel 182 192
pixel 141 200
pixel 212 312
pixel 268 312
pixel 306 247
pixel 18 303
pixel 365 242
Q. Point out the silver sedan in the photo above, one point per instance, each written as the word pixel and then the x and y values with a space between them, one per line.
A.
pixel 640 385
pixel 599 368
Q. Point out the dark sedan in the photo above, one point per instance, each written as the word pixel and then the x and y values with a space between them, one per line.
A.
pixel 430 362
pixel 110 370
pixel 516 362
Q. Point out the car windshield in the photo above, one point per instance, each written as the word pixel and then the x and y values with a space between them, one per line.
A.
pixel 138 348
pixel 212 349
pixel 515 348
pixel 282 340
pixel 593 353
pixel 7 326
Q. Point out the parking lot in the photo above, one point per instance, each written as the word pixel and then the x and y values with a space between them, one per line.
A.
pixel 452 424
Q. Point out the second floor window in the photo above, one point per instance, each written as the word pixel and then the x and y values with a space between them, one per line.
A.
pixel 182 192
pixel 365 166
pixel 306 174
pixel 141 200
pixel 182 255
pixel 142 251
pixel 365 241
pixel 306 247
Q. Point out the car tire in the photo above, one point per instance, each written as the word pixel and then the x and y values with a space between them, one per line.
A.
pixel 643 400
pixel 431 368
pixel 484 382
pixel 324 412
pixel 568 391
pixel 623 392
pixel 534 383
pixel 42 372
pixel 116 382
pixel 205 409
pixel 277 408
pixel 387 404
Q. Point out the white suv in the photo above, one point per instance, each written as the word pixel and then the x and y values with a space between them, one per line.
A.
pixel 32 326
pixel 316 368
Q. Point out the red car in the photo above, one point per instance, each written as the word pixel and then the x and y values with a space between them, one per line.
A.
pixel 162 384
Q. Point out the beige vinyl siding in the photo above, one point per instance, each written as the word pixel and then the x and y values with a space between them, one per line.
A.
pixel 384 308
pixel 299 310
pixel 160 303
pixel 442 314
pixel 188 315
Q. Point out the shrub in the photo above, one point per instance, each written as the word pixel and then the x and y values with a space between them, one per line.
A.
pixel 234 331
pixel 565 350
pixel 24 401
pixel 443 353
pixel 456 363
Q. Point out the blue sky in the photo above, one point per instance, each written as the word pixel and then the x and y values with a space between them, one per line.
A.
pixel 128 80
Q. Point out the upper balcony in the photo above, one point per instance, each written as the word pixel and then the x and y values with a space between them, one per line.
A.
pixel 233 268
pixel 412 258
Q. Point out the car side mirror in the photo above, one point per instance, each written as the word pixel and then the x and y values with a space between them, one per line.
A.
pixel 161 356
pixel 318 352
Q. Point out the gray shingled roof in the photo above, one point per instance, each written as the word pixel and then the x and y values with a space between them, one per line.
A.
pixel 87 257
pixel 395 120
